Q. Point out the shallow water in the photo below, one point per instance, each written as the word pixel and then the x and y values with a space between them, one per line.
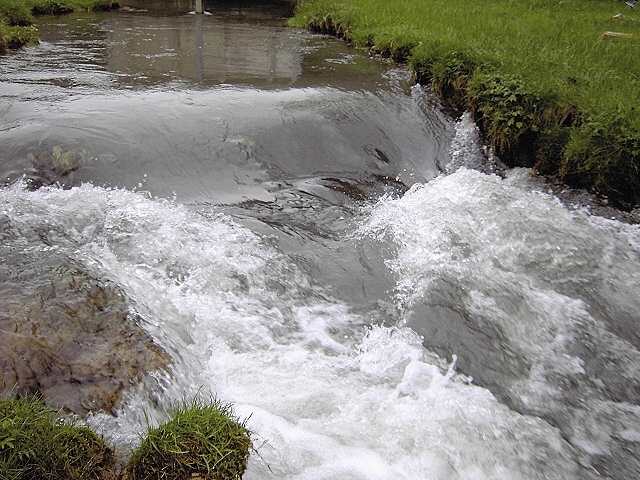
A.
pixel 312 241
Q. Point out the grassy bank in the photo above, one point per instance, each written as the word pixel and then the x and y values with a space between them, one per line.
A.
pixel 16 17
pixel 546 88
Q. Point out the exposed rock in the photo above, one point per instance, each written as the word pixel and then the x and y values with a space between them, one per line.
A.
pixel 64 333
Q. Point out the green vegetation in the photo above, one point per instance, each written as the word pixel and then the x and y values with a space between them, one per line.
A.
pixel 35 445
pixel 547 89
pixel 202 440
pixel 16 17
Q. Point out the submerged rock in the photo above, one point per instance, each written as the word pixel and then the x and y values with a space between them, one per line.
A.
pixel 54 166
pixel 64 333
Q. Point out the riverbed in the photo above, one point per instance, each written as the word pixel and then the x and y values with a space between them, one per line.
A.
pixel 311 239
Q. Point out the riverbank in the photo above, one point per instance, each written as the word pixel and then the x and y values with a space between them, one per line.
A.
pixel 547 86
pixel 16 17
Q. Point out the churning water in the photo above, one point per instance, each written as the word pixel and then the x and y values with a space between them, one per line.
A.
pixel 297 253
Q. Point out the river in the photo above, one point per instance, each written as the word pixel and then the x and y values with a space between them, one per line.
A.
pixel 309 238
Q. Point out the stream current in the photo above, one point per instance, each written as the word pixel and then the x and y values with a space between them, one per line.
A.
pixel 309 239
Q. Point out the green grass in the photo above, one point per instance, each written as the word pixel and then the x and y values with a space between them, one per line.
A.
pixel 36 445
pixel 16 17
pixel 536 74
pixel 203 439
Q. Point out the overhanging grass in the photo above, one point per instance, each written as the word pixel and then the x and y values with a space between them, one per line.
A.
pixel 36 445
pixel 536 74
pixel 203 439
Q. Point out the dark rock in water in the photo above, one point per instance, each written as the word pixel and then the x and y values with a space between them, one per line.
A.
pixel 53 166
pixel 64 333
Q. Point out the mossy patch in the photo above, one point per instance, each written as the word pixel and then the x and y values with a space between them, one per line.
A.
pixel 203 439
pixel 35 444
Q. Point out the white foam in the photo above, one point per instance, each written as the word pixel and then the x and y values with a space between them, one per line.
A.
pixel 465 150
pixel 328 397
pixel 523 262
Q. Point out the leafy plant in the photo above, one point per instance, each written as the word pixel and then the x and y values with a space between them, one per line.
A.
pixel 508 113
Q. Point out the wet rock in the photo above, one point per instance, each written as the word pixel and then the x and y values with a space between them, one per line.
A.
pixel 50 167
pixel 64 333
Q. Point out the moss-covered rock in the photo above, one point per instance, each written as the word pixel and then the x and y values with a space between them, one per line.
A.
pixel 201 440
pixel 35 444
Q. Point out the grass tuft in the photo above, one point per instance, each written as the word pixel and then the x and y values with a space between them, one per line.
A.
pixel 36 445
pixel 203 439
pixel 15 13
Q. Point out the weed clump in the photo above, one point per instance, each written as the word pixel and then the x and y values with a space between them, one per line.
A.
pixel 605 150
pixel 35 444
pixel 202 440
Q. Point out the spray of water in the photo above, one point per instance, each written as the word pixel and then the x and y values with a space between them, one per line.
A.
pixel 328 395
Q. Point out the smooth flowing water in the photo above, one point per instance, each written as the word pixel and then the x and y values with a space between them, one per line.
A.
pixel 309 239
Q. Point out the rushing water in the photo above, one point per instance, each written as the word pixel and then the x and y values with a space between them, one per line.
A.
pixel 313 243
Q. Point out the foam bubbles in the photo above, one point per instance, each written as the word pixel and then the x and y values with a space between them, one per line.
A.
pixel 328 396
pixel 556 288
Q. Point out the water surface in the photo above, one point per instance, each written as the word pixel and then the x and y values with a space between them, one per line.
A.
pixel 309 239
